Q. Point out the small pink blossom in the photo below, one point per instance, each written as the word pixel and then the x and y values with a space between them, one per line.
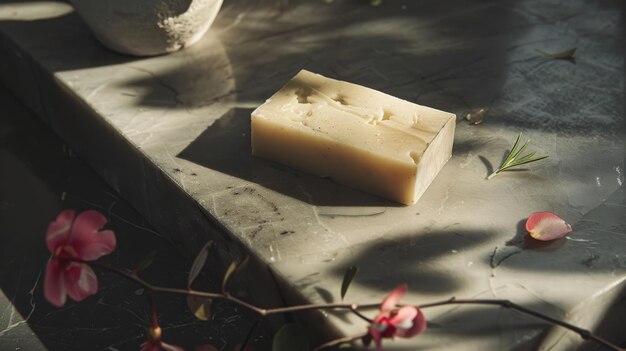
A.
pixel 405 322
pixel 72 240
pixel 546 226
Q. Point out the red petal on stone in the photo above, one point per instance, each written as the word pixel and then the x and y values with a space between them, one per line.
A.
pixel 546 226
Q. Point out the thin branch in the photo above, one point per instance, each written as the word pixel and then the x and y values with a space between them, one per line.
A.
pixel 584 333
pixel 152 310
pixel 337 306
pixel 227 296
pixel 355 310
pixel 249 336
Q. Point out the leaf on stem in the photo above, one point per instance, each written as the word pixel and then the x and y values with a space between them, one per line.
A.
pixel 200 306
pixel 291 337
pixel 514 158
pixel 561 55
pixel 348 277
pixel 198 263
pixel 232 268
pixel 145 263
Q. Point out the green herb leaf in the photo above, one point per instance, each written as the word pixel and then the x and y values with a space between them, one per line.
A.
pixel 347 280
pixel 291 337
pixel 514 158
pixel 198 263
pixel 146 262
pixel 200 306
pixel 561 55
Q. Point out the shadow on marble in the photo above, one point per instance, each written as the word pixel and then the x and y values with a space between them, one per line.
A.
pixel 225 147
pixel 393 48
pixel 76 33
pixel 464 320
pixel 457 60
pixel 413 260
pixel 610 325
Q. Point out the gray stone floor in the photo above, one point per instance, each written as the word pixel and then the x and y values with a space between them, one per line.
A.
pixel 40 176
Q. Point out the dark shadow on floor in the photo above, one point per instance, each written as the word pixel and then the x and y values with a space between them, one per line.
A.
pixel 62 35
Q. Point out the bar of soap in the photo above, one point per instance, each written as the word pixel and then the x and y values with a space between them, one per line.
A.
pixel 354 135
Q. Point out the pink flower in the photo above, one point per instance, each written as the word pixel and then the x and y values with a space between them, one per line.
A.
pixel 405 322
pixel 546 226
pixel 72 239
pixel 155 343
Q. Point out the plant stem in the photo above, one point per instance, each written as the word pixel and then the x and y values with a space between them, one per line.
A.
pixel 585 334
pixel 245 342
pixel 355 310
pixel 152 310
pixel 229 297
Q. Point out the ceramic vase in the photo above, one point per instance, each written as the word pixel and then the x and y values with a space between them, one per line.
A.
pixel 148 27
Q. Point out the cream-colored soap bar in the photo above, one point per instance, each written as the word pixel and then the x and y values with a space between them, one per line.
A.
pixel 357 136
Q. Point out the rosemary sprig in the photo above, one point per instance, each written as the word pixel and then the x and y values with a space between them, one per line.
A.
pixel 513 159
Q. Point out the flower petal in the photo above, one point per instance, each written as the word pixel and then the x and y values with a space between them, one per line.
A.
pixel 59 230
pixel 390 302
pixel 54 285
pixel 80 281
pixel 404 314
pixel 87 243
pixel 377 338
pixel 546 226
pixel 419 325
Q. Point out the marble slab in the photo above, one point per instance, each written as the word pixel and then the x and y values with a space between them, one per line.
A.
pixel 171 134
